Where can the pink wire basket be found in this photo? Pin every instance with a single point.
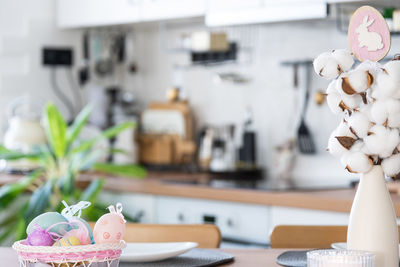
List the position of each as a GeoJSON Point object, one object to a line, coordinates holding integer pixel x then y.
{"type": "Point", "coordinates": [97, 255]}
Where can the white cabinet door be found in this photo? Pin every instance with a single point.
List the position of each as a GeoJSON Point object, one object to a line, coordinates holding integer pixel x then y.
{"type": "Point", "coordinates": [222, 12]}
{"type": "Point", "coordinates": [295, 216]}
{"type": "Point", "coordinates": [235, 220]}
{"type": "Point", "coordinates": [152, 10]}
{"type": "Point", "coordinates": [132, 204]}
{"type": "Point", "coordinates": [87, 13]}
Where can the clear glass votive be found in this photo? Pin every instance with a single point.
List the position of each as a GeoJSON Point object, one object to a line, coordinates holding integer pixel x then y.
{"type": "Point", "coordinates": [342, 258]}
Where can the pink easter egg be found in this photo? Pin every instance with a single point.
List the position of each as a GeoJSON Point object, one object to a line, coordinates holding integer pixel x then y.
{"type": "Point", "coordinates": [368, 34]}
{"type": "Point", "coordinates": [81, 234]}
{"type": "Point", "coordinates": [110, 228]}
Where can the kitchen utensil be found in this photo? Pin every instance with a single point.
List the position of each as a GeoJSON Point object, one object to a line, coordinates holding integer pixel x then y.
{"type": "Point", "coordinates": [84, 72]}
{"type": "Point", "coordinates": [24, 131]}
{"type": "Point", "coordinates": [148, 252]}
{"type": "Point", "coordinates": [304, 137]}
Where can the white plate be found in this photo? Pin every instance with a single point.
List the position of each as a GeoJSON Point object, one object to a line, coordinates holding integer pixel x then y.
{"type": "Point", "coordinates": [147, 252]}
{"type": "Point", "coordinates": [343, 245]}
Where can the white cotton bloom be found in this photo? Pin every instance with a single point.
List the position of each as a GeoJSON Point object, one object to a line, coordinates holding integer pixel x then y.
{"type": "Point", "coordinates": [388, 80]}
{"type": "Point", "coordinates": [382, 141]}
{"type": "Point", "coordinates": [353, 82]}
{"type": "Point", "coordinates": [344, 58]}
{"type": "Point", "coordinates": [334, 146]}
{"type": "Point", "coordinates": [359, 124]}
{"type": "Point", "coordinates": [337, 103]}
{"type": "Point", "coordinates": [366, 110]}
{"type": "Point", "coordinates": [357, 162]}
{"type": "Point", "coordinates": [386, 111]}
{"type": "Point", "coordinates": [325, 65]}
{"type": "Point", "coordinates": [391, 165]}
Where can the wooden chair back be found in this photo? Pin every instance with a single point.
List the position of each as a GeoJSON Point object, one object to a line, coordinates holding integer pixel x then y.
{"type": "Point", "coordinates": [206, 235]}
{"type": "Point", "coordinates": [308, 236]}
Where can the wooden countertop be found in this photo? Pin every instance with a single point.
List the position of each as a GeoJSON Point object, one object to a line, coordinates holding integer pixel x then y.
{"type": "Point", "coordinates": [327, 200]}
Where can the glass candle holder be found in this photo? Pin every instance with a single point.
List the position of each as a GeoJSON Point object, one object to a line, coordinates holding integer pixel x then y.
{"type": "Point", "coordinates": [342, 258]}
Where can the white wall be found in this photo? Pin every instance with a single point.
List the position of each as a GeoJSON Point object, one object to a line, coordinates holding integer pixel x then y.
{"type": "Point", "coordinates": [270, 94]}
{"type": "Point", "coordinates": [26, 26]}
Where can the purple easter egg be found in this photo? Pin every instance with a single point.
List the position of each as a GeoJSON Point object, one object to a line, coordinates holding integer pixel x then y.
{"type": "Point", "coordinates": [39, 237]}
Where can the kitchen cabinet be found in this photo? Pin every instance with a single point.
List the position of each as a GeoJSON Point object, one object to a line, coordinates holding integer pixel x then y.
{"type": "Point", "coordinates": [236, 221]}
{"type": "Point", "coordinates": [133, 204]}
{"type": "Point", "coordinates": [90, 13]}
{"type": "Point", "coordinates": [224, 13]}
{"type": "Point", "coordinates": [296, 216]}
{"type": "Point", "coordinates": [153, 10]}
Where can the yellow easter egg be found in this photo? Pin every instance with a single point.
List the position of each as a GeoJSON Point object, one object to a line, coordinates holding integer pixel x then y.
{"type": "Point", "coordinates": [68, 241]}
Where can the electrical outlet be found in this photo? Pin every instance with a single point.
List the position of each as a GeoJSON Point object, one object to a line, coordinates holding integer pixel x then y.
{"type": "Point", "coordinates": [57, 56]}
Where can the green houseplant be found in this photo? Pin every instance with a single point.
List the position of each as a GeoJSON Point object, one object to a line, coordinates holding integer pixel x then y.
{"type": "Point", "coordinates": [59, 162]}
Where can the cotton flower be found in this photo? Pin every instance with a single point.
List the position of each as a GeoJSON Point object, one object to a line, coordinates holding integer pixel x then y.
{"type": "Point", "coordinates": [386, 112]}
{"type": "Point", "coordinates": [382, 141]}
{"type": "Point", "coordinates": [341, 140]}
{"type": "Point", "coordinates": [344, 58]}
{"type": "Point", "coordinates": [356, 81]}
{"type": "Point", "coordinates": [391, 165]}
{"type": "Point", "coordinates": [359, 124]}
{"type": "Point", "coordinates": [357, 162]}
{"type": "Point", "coordinates": [340, 102]}
{"type": "Point", "coordinates": [389, 81]}
{"type": "Point", "coordinates": [325, 65]}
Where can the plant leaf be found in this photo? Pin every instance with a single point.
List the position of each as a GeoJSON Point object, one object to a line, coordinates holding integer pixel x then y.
{"type": "Point", "coordinates": [9, 192]}
{"type": "Point", "coordinates": [127, 170]}
{"type": "Point", "coordinates": [92, 191]}
{"type": "Point", "coordinates": [79, 122]}
{"type": "Point", "coordinates": [109, 133]}
{"type": "Point", "coordinates": [8, 154]}
{"type": "Point", "coordinates": [56, 130]}
{"type": "Point", "coordinates": [39, 200]}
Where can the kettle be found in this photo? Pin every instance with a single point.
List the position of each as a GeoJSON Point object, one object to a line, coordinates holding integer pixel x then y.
{"type": "Point", "coordinates": [24, 131]}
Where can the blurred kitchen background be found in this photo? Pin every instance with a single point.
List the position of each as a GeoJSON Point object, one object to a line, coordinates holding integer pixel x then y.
{"type": "Point", "coordinates": [217, 87]}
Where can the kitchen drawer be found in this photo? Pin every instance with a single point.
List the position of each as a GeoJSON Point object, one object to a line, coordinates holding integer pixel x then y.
{"type": "Point", "coordinates": [295, 216]}
{"type": "Point", "coordinates": [235, 220]}
{"type": "Point", "coordinates": [132, 204]}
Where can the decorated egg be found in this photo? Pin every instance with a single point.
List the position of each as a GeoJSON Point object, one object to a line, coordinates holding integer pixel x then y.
{"type": "Point", "coordinates": [57, 223]}
{"type": "Point", "coordinates": [110, 228]}
{"type": "Point", "coordinates": [81, 230]}
{"type": "Point", "coordinates": [67, 242]}
{"type": "Point", "coordinates": [39, 237]}
{"type": "Point", "coordinates": [79, 227]}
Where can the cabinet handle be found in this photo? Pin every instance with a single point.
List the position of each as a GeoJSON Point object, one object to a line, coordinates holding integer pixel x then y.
{"type": "Point", "coordinates": [230, 223]}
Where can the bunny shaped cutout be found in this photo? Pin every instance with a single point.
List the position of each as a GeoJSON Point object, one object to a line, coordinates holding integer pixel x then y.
{"type": "Point", "coordinates": [372, 40]}
{"type": "Point", "coordinates": [368, 34]}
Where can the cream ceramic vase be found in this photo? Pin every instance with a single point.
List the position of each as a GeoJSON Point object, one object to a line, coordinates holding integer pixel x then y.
{"type": "Point", "coordinates": [372, 225]}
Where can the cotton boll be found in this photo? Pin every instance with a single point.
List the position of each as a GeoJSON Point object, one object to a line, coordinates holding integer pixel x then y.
{"type": "Point", "coordinates": [359, 124]}
{"type": "Point", "coordinates": [387, 86]}
{"type": "Point", "coordinates": [366, 110]}
{"type": "Point", "coordinates": [356, 81]}
{"type": "Point", "coordinates": [344, 58]}
{"type": "Point", "coordinates": [352, 101]}
{"type": "Point", "coordinates": [326, 66]}
{"type": "Point", "coordinates": [382, 141]}
{"type": "Point", "coordinates": [358, 162]}
{"type": "Point", "coordinates": [392, 68]}
{"type": "Point", "coordinates": [344, 130]}
{"type": "Point", "coordinates": [387, 112]}
{"type": "Point", "coordinates": [334, 147]}
{"type": "Point", "coordinates": [333, 100]}
{"type": "Point", "coordinates": [379, 112]}
{"type": "Point", "coordinates": [391, 165]}
{"type": "Point", "coordinates": [393, 110]}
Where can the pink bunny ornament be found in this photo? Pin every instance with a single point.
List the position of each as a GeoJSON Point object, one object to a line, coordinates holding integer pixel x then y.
{"type": "Point", "coordinates": [110, 228]}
